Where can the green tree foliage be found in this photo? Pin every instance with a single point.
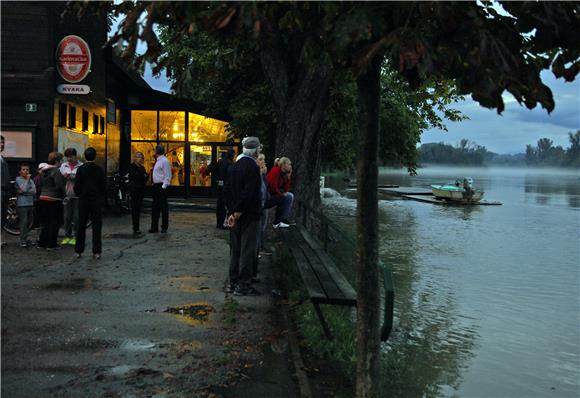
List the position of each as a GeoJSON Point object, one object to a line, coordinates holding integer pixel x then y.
{"type": "Point", "coordinates": [546, 154]}
{"type": "Point", "coordinates": [466, 153]}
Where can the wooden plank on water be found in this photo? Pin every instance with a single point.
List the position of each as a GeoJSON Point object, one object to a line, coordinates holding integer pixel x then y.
{"type": "Point", "coordinates": [406, 191]}
{"type": "Point", "coordinates": [443, 202]}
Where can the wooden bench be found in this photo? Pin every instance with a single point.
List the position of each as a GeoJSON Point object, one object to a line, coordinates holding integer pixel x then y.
{"type": "Point", "coordinates": [324, 281]}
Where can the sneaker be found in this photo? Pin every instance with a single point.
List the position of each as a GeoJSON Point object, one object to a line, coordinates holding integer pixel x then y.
{"type": "Point", "coordinates": [286, 221]}
{"type": "Point", "coordinates": [153, 231]}
{"type": "Point", "coordinates": [72, 241]}
{"type": "Point", "coordinates": [97, 256]}
{"type": "Point", "coordinates": [23, 244]}
{"type": "Point", "coordinates": [51, 248]}
{"type": "Point", "coordinates": [230, 288]}
{"type": "Point", "coordinates": [78, 255]}
{"type": "Point", "coordinates": [246, 291]}
{"type": "Point", "coordinates": [65, 241]}
{"type": "Point", "coordinates": [280, 225]}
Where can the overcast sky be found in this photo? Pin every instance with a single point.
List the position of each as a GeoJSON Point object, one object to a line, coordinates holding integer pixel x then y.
{"type": "Point", "coordinates": [506, 133]}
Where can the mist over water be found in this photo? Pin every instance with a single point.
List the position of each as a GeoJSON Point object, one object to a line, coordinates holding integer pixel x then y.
{"type": "Point", "coordinates": [487, 297]}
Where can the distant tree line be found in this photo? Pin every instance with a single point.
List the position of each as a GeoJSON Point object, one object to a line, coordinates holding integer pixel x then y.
{"type": "Point", "coordinates": [546, 154]}
{"type": "Point", "coordinates": [469, 153]}
{"type": "Point", "coordinates": [466, 153]}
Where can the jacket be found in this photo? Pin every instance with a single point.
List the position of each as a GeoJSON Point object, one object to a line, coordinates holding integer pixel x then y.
{"type": "Point", "coordinates": [70, 173]}
{"type": "Point", "coordinates": [243, 189]}
{"type": "Point", "coordinates": [278, 182]}
{"type": "Point", "coordinates": [90, 184]}
{"type": "Point", "coordinates": [26, 191]}
{"type": "Point", "coordinates": [53, 184]}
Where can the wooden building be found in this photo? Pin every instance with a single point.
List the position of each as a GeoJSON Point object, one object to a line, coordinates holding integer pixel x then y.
{"type": "Point", "coordinates": [61, 89]}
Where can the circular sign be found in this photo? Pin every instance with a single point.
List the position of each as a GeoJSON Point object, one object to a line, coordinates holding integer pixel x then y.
{"type": "Point", "coordinates": [73, 59]}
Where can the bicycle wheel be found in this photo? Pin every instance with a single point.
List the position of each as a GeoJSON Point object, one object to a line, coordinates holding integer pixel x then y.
{"type": "Point", "coordinates": [12, 222]}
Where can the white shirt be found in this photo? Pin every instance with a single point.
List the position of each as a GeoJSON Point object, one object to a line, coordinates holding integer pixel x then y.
{"type": "Point", "coordinates": [162, 171]}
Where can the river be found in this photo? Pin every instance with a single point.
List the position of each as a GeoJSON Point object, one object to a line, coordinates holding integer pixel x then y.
{"type": "Point", "coordinates": [487, 297]}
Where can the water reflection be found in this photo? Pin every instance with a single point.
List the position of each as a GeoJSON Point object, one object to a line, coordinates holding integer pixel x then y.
{"type": "Point", "coordinates": [431, 344]}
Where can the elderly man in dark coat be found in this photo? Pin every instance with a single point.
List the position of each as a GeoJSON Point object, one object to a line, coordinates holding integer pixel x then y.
{"type": "Point", "coordinates": [243, 200]}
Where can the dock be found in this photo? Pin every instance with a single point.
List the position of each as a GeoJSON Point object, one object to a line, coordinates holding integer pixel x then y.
{"type": "Point", "coordinates": [400, 191]}
{"type": "Point", "coordinates": [435, 201]}
{"type": "Point", "coordinates": [426, 195]}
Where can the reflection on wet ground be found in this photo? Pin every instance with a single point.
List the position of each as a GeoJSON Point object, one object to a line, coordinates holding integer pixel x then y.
{"type": "Point", "coordinates": [72, 284]}
{"type": "Point", "coordinates": [195, 314]}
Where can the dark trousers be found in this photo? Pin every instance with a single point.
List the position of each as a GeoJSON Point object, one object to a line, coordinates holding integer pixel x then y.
{"type": "Point", "coordinates": [4, 205]}
{"type": "Point", "coordinates": [136, 203]}
{"type": "Point", "coordinates": [160, 205]}
{"type": "Point", "coordinates": [220, 210]}
{"type": "Point", "coordinates": [89, 210]}
{"type": "Point", "coordinates": [50, 215]}
{"type": "Point", "coordinates": [243, 243]}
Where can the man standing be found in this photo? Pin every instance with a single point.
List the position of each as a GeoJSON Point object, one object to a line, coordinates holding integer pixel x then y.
{"type": "Point", "coordinates": [243, 198]}
{"type": "Point", "coordinates": [220, 171]}
{"type": "Point", "coordinates": [71, 202]}
{"type": "Point", "coordinates": [161, 180]}
{"type": "Point", "coordinates": [90, 187]}
{"type": "Point", "coordinates": [5, 180]}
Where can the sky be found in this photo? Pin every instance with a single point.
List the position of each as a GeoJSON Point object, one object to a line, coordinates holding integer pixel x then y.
{"type": "Point", "coordinates": [508, 133]}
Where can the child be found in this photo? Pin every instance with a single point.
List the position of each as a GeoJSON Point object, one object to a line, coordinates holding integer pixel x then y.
{"type": "Point", "coordinates": [26, 191]}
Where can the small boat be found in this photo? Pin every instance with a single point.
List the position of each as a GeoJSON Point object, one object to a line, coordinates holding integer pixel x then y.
{"type": "Point", "coordinates": [459, 191]}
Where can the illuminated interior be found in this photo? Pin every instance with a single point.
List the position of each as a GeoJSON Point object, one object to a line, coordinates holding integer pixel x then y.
{"type": "Point", "coordinates": [204, 133]}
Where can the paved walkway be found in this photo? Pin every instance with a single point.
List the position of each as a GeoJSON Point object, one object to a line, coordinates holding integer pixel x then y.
{"type": "Point", "coordinates": [149, 319]}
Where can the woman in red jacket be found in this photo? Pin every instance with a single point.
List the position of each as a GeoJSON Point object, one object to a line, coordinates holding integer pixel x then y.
{"type": "Point", "coordinates": [279, 180]}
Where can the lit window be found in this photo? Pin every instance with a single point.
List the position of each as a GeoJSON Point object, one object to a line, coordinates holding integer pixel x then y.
{"type": "Point", "coordinates": [144, 125]}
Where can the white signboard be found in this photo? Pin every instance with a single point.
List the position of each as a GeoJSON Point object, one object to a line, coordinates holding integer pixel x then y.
{"type": "Point", "coordinates": [18, 144]}
{"type": "Point", "coordinates": [73, 89]}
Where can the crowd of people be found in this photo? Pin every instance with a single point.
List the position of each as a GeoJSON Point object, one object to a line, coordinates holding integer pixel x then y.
{"type": "Point", "coordinates": [70, 192]}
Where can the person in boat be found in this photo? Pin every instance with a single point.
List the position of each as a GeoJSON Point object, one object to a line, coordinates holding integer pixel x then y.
{"type": "Point", "coordinates": [467, 189]}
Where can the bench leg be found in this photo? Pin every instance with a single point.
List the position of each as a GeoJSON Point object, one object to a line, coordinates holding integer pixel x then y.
{"type": "Point", "coordinates": [327, 332]}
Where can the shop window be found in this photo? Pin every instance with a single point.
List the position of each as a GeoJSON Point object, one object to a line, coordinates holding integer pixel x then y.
{"type": "Point", "coordinates": [102, 124]}
{"type": "Point", "coordinates": [144, 125]}
{"type": "Point", "coordinates": [200, 159]}
{"type": "Point", "coordinates": [72, 117]}
{"type": "Point", "coordinates": [85, 120]}
{"type": "Point", "coordinates": [62, 107]}
{"type": "Point", "coordinates": [95, 124]}
{"type": "Point", "coordinates": [206, 129]}
{"type": "Point", "coordinates": [172, 126]}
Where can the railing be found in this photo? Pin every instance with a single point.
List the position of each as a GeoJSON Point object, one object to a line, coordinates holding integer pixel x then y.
{"type": "Point", "coordinates": [342, 248]}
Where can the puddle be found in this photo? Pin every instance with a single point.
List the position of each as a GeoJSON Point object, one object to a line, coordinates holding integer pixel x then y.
{"type": "Point", "coordinates": [72, 284]}
{"type": "Point", "coordinates": [196, 314]}
{"type": "Point", "coordinates": [190, 284]}
{"type": "Point", "coordinates": [137, 345]}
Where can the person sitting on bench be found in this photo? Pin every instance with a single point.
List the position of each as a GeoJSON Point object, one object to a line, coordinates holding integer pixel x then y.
{"type": "Point", "coordinates": [279, 189]}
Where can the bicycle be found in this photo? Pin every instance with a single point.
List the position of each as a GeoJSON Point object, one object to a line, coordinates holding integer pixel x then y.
{"type": "Point", "coordinates": [118, 193]}
{"type": "Point", "coordinates": [12, 224]}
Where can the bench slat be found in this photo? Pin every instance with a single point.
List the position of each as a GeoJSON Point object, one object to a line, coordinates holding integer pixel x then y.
{"type": "Point", "coordinates": [309, 278]}
{"type": "Point", "coordinates": [327, 274]}
{"type": "Point", "coordinates": [348, 292]}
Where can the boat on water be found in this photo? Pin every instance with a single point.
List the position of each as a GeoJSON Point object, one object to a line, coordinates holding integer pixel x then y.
{"type": "Point", "coordinates": [461, 190]}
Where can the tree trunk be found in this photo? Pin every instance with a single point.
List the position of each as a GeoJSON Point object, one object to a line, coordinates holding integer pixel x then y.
{"type": "Point", "coordinates": [367, 275]}
{"type": "Point", "coordinates": [300, 107]}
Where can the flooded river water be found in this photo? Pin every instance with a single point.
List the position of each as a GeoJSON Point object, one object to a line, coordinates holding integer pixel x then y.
{"type": "Point", "coordinates": [487, 297]}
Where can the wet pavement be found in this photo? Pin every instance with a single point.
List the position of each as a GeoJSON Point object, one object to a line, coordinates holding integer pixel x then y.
{"type": "Point", "coordinates": [149, 319]}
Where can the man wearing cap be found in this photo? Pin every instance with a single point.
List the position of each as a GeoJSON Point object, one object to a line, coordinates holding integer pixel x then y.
{"type": "Point", "coordinates": [243, 199]}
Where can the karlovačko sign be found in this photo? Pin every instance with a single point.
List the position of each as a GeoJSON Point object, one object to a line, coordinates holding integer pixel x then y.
{"type": "Point", "coordinates": [73, 59]}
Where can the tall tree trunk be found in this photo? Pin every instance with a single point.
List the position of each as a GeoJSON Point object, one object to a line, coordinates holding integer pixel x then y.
{"type": "Point", "coordinates": [367, 275]}
{"type": "Point", "coordinates": [300, 108]}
